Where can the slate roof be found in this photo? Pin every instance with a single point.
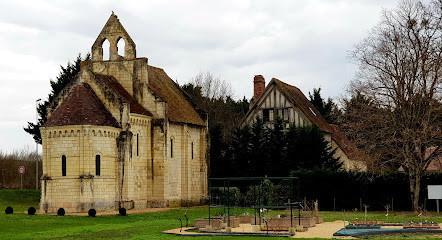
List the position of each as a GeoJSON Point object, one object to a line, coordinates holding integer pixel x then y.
{"type": "Point", "coordinates": [111, 82]}
{"type": "Point", "coordinates": [179, 107]}
{"type": "Point", "coordinates": [81, 107]}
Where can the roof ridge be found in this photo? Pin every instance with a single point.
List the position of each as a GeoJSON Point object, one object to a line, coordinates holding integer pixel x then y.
{"type": "Point", "coordinates": [287, 84]}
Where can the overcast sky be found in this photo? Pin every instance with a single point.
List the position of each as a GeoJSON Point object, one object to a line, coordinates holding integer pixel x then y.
{"type": "Point", "coordinates": [302, 42]}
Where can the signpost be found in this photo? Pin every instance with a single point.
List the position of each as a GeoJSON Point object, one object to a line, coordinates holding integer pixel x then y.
{"type": "Point", "coordinates": [21, 171]}
{"type": "Point", "coordinates": [435, 192]}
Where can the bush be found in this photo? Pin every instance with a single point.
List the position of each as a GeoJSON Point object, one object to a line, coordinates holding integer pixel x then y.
{"type": "Point", "coordinates": [92, 212]}
{"type": "Point", "coordinates": [61, 212]}
{"type": "Point", "coordinates": [349, 190]}
{"type": "Point", "coordinates": [122, 211]}
{"type": "Point", "coordinates": [220, 194]}
{"type": "Point", "coordinates": [9, 210]}
{"type": "Point", "coordinates": [31, 211]}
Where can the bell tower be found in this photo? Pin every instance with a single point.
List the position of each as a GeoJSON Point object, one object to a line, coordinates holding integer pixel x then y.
{"type": "Point", "coordinates": [128, 70]}
{"type": "Point", "coordinates": [113, 31]}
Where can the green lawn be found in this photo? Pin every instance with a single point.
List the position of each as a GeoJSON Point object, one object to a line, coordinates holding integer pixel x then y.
{"type": "Point", "coordinates": [135, 226]}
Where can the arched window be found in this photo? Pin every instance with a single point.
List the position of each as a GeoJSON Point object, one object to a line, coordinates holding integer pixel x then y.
{"type": "Point", "coordinates": [121, 44]}
{"type": "Point", "coordinates": [191, 149]}
{"type": "Point", "coordinates": [63, 165]}
{"type": "Point", "coordinates": [106, 50]}
{"type": "Point", "coordinates": [137, 145]}
{"type": "Point", "coordinates": [97, 165]}
{"type": "Point", "coordinates": [171, 147]}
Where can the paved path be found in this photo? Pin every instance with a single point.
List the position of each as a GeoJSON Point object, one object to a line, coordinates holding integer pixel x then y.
{"type": "Point", "coordinates": [323, 230]}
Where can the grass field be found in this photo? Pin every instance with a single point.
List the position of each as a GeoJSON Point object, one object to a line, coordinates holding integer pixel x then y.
{"type": "Point", "coordinates": [139, 226]}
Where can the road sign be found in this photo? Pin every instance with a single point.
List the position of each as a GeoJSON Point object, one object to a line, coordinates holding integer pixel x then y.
{"type": "Point", "coordinates": [435, 192]}
{"type": "Point", "coordinates": [21, 170]}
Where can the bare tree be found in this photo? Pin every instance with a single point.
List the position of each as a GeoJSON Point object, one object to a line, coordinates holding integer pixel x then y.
{"type": "Point", "coordinates": [400, 72]}
{"type": "Point", "coordinates": [212, 87]}
{"type": "Point", "coordinates": [215, 96]}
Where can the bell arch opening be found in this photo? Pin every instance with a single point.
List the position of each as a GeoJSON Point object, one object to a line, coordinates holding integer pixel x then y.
{"type": "Point", "coordinates": [105, 48]}
{"type": "Point", "coordinates": [121, 47]}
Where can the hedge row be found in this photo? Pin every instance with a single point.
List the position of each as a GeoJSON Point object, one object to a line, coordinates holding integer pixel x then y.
{"type": "Point", "coordinates": [349, 191]}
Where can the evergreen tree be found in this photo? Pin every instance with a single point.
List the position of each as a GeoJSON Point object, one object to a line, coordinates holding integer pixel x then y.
{"type": "Point", "coordinates": [275, 145]}
{"type": "Point", "coordinates": [258, 153]}
{"type": "Point", "coordinates": [310, 150]}
{"type": "Point", "coordinates": [291, 152]}
{"type": "Point", "coordinates": [66, 76]}
{"type": "Point", "coordinates": [240, 148]}
{"type": "Point", "coordinates": [218, 166]}
{"type": "Point", "coordinates": [328, 109]}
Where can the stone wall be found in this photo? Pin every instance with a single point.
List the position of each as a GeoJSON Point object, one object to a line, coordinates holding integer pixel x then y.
{"type": "Point", "coordinates": [81, 187]}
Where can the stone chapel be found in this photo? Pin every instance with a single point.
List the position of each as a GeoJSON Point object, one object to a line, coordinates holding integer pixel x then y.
{"type": "Point", "coordinates": [123, 134]}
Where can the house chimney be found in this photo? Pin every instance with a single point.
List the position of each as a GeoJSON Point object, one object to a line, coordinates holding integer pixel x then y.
{"type": "Point", "coordinates": [259, 84]}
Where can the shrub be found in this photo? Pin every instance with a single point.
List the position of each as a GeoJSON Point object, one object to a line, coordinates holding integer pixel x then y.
{"type": "Point", "coordinates": [9, 210]}
{"type": "Point", "coordinates": [92, 212]}
{"type": "Point", "coordinates": [122, 211]}
{"type": "Point", "coordinates": [61, 212]}
{"type": "Point", "coordinates": [31, 211]}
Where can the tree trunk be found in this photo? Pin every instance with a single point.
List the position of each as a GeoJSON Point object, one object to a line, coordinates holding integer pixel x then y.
{"type": "Point", "coordinates": [415, 187]}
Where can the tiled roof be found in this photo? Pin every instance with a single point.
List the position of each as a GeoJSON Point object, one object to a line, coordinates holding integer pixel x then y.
{"type": "Point", "coordinates": [110, 81]}
{"type": "Point", "coordinates": [436, 164]}
{"type": "Point", "coordinates": [81, 107]}
{"type": "Point", "coordinates": [297, 97]}
{"type": "Point", "coordinates": [179, 108]}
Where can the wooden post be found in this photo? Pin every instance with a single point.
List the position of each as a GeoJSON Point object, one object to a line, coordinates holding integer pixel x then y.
{"type": "Point", "coordinates": [437, 205]}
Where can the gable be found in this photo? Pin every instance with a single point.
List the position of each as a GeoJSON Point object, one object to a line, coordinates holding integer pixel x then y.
{"type": "Point", "coordinates": [274, 102]}
{"type": "Point", "coordinates": [113, 31]}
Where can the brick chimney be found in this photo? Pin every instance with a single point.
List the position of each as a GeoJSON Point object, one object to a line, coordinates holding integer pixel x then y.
{"type": "Point", "coordinates": [259, 84]}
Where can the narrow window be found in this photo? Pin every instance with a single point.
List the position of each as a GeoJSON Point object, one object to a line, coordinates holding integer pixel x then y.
{"type": "Point", "coordinates": [97, 165]}
{"type": "Point", "coordinates": [286, 114]}
{"type": "Point", "coordinates": [137, 144]}
{"type": "Point", "coordinates": [191, 149]}
{"type": "Point", "coordinates": [271, 115]}
{"type": "Point", "coordinates": [63, 165]}
{"type": "Point", "coordinates": [265, 115]}
{"type": "Point", "coordinates": [171, 147]}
